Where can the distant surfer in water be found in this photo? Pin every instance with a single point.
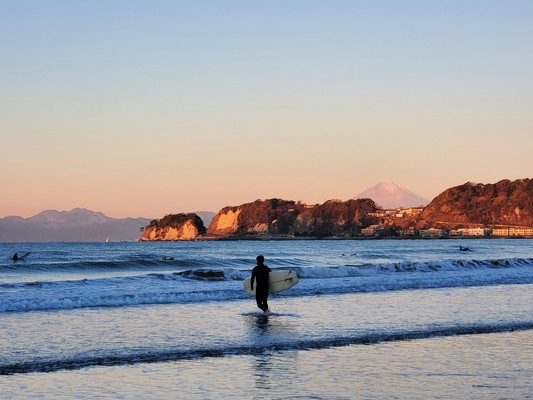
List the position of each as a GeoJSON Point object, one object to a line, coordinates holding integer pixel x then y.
{"type": "Point", "coordinates": [16, 256]}
{"type": "Point", "coordinates": [260, 276]}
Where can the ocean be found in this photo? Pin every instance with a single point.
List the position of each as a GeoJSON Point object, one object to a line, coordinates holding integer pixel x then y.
{"type": "Point", "coordinates": [388, 319]}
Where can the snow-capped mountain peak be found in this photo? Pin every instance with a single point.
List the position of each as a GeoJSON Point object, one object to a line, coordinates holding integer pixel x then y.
{"type": "Point", "coordinates": [389, 196]}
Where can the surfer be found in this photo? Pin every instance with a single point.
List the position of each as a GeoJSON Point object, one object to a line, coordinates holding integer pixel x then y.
{"type": "Point", "coordinates": [16, 256]}
{"type": "Point", "coordinates": [260, 276]}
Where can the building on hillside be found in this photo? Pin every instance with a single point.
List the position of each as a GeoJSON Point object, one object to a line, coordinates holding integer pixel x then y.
{"type": "Point", "coordinates": [413, 211]}
{"type": "Point", "coordinates": [370, 231]}
{"type": "Point", "coordinates": [521, 231]}
{"type": "Point", "coordinates": [432, 232]}
{"type": "Point", "coordinates": [500, 232]}
{"type": "Point", "coordinates": [475, 231]}
{"type": "Point", "coordinates": [516, 231]}
{"type": "Point", "coordinates": [379, 214]}
{"type": "Point", "coordinates": [411, 231]}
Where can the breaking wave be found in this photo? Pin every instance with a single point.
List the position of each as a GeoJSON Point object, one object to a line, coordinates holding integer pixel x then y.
{"type": "Point", "coordinates": [202, 284]}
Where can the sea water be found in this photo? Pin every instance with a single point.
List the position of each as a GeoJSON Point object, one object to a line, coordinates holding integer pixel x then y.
{"type": "Point", "coordinates": [368, 319]}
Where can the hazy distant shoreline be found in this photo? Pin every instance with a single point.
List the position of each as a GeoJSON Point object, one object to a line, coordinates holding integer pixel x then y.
{"type": "Point", "coordinates": [281, 238]}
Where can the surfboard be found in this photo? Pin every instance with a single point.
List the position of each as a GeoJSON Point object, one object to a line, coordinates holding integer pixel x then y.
{"type": "Point", "coordinates": [278, 281]}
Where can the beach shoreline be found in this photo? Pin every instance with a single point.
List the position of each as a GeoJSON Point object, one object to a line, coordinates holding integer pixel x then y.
{"type": "Point", "coordinates": [250, 237]}
{"type": "Point", "coordinates": [253, 356]}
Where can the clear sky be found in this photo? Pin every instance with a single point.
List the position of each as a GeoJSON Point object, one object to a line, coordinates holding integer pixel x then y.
{"type": "Point", "coordinates": [144, 108]}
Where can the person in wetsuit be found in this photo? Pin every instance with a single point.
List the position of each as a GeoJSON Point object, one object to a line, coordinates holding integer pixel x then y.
{"type": "Point", "coordinates": [260, 277]}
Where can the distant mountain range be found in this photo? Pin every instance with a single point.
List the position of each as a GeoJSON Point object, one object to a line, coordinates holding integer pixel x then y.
{"type": "Point", "coordinates": [77, 225]}
{"type": "Point", "coordinates": [388, 195]}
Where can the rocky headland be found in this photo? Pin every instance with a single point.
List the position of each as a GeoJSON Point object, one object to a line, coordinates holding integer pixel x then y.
{"type": "Point", "coordinates": [175, 227]}
{"type": "Point", "coordinates": [278, 217]}
{"type": "Point", "coordinates": [506, 203]}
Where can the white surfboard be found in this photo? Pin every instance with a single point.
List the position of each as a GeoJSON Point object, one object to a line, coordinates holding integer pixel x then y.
{"type": "Point", "coordinates": [278, 281]}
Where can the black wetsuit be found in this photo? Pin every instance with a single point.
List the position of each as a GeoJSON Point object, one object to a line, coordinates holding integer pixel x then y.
{"type": "Point", "coordinates": [260, 276]}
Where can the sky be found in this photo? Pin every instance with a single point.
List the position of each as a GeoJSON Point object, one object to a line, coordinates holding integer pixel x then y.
{"type": "Point", "coordinates": [145, 108]}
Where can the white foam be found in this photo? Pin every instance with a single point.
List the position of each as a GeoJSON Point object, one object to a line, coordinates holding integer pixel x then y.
{"type": "Point", "coordinates": [158, 288]}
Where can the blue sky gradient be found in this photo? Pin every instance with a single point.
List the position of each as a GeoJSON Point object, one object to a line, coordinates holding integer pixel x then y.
{"type": "Point", "coordinates": [138, 108]}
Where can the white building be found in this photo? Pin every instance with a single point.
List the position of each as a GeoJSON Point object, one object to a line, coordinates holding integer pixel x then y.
{"type": "Point", "coordinates": [370, 231]}
{"type": "Point", "coordinates": [432, 232]}
{"type": "Point", "coordinates": [474, 231]}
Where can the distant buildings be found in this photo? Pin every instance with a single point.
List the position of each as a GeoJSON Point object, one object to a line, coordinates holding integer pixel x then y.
{"type": "Point", "coordinates": [514, 231]}
{"type": "Point", "coordinates": [397, 213]}
{"type": "Point", "coordinates": [517, 231]}
{"type": "Point", "coordinates": [432, 232]}
{"type": "Point", "coordinates": [387, 222]}
{"type": "Point", "coordinates": [411, 231]}
{"type": "Point", "coordinates": [372, 230]}
{"type": "Point", "coordinates": [378, 230]}
{"type": "Point", "coordinates": [471, 232]}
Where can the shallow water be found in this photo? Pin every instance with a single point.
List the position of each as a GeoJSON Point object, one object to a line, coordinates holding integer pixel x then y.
{"type": "Point", "coordinates": [486, 366]}
{"type": "Point", "coordinates": [415, 320]}
{"type": "Point", "coordinates": [75, 338]}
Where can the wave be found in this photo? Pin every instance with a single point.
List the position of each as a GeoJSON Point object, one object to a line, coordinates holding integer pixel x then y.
{"type": "Point", "coordinates": [409, 266]}
{"type": "Point", "coordinates": [155, 356]}
{"type": "Point", "coordinates": [80, 266]}
{"type": "Point", "coordinates": [140, 263]}
{"type": "Point", "coordinates": [232, 269]}
{"type": "Point", "coordinates": [217, 284]}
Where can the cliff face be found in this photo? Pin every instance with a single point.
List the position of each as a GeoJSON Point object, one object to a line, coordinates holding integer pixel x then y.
{"type": "Point", "coordinates": [273, 216]}
{"type": "Point", "coordinates": [283, 217]}
{"type": "Point", "coordinates": [503, 203]}
{"type": "Point", "coordinates": [334, 218]}
{"type": "Point", "coordinates": [175, 227]}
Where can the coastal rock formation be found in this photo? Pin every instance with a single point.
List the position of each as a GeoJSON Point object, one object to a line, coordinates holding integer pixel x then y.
{"type": "Point", "coordinates": [273, 216]}
{"type": "Point", "coordinates": [175, 227]}
{"type": "Point", "coordinates": [504, 203]}
{"type": "Point", "coordinates": [334, 218]}
{"type": "Point", "coordinates": [285, 217]}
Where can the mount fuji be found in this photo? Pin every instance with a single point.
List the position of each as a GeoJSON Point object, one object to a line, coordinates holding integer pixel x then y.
{"type": "Point", "coordinates": [389, 196]}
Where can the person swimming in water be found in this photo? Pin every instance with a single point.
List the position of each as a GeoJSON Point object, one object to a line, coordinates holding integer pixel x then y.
{"type": "Point", "coordinates": [16, 256]}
